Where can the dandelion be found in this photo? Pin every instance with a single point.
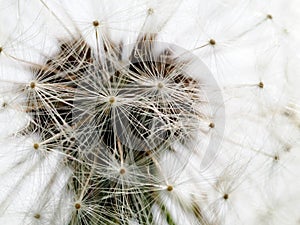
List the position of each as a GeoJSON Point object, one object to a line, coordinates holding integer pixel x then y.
{"type": "Point", "coordinates": [147, 112]}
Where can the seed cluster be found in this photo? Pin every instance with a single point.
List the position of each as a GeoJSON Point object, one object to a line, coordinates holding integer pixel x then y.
{"type": "Point", "coordinates": [111, 118]}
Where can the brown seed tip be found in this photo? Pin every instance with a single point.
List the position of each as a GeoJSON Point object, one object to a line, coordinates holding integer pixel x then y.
{"type": "Point", "coordinates": [37, 216]}
{"type": "Point", "coordinates": [211, 125]}
{"type": "Point", "coordinates": [1, 49]}
{"type": "Point", "coordinates": [212, 42]}
{"type": "Point", "coordinates": [150, 11]}
{"type": "Point", "coordinates": [32, 85]}
{"type": "Point", "coordinates": [122, 171]}
{"type": "Point", "coordinates": [112, 100]}
{"type": "Point", "coordinates": [160, 85]}
{"type": "Point", "coordinates": [261, 85]}
{"type": "Point", "coordinates": [77, 206]}
{"type": "Point", "coordinates": [226, 196]}
{"type": "Point", "coordinates": [170, 188]}
{"type": "Point", "coordinates": [269, 16]}
{"type": "Point", "coordinates": [96, 23]}
{"type": "Point", "coordinates": [36, 146]}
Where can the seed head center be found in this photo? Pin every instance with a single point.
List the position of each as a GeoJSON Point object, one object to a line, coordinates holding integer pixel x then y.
{"type": "Point", "coordinates": [160, 85]}
{"type": "Point", "coordinates": [37, 216]}
{"type": "Point", "coordinates": [226, 196]}
{"type": "Point", "coordinates": [212, 42]}
{"type": "Point", "coordinates": [36, 146]}
{"type": "Point", "coordinates": [122, 171]}
{"type": "Point", "coordinates": [96, 23]}
{"type": "Point", "coordinates": [112, 100]}
{"type": "Point", "coordinates": [170, 188]}
{"type": "Point", "coordinates": [150, 11]}
{"type": "Point", "coordinates": [77, 206]}
{"type": "Point", "coordinates": [261, 85]}
{"type": "Point", "coordinates": [32, 85]}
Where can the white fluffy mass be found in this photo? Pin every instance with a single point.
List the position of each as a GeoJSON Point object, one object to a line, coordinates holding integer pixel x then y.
{"type": "Point", "coordinates": [240, 166]}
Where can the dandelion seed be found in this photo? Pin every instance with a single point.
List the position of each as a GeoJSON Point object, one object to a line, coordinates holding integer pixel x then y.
{"type": "Point", "coordinates": [122, 171]}
{"type": "Point", "coordinates": [212, 42]}
{"type": "Point", "coordinates": [160, 85]}
{"type": "Point", "coordinates": [36, 146]}
{"type": "Point", "coordinates": [96, 23]}
{"type": "Point", "coordinates": [261, 85]}
{"type": "Point", "coordinates": [150, 11]}
{"type": "Point", "coordinates": [170, 188]}
{"type": "Point", "coordinates": [226, 196]}
{"type": "Point", "coordinates": [269, 16]}
{"type": "Point", "coordinates": [212, 125]}
{"type": "Point", "coordinates": [112, 100]}
{"type": "Point", "coordinates": [77, 206]}
{"type": "Point", "coordinates": [37, 216]}
{"type": "Point", "coordinates": [4, 104]}
{"type": "Point", "coordinates": [32, 85]}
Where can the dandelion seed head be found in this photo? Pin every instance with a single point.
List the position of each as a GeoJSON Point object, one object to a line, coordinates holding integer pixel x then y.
{"type": "Point", "coordinates": [130, 117]}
